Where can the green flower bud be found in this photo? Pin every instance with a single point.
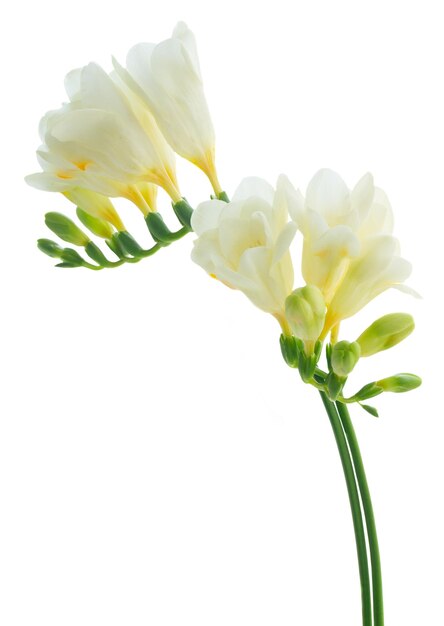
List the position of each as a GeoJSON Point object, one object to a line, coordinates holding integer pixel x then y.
{"type": "Point", "coordinates": [386, 332]}
{"type": "Point", "coordinates": [72, 258]}
{"type": "Point", "coordinates": [66, 229]}
{"type": "Point", "coordinates": [305, 311]}
{"type": "Point", "coordinates": [344, 356]}
{"type": "Point", "coordinates": [49, 247]}
{"type": "Point", "coordinates": [400, 383]}
{"type": "Point", "coordinates": [98, 226]}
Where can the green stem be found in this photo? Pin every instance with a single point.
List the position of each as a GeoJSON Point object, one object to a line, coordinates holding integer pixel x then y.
{"type": "Point", "coordinates": [355, 505]}
{"type": "Point", "coordinates": [378, 605]}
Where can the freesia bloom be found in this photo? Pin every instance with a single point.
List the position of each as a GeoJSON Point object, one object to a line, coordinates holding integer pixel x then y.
{"type": "Point", "coordinates": [245, 243]}
{"type": "Point", "coordinates": [167, 77]}
{"type": "Point", "coordinates": [349, 251]}
{"type": "Point", "coordinates": [99, 141]}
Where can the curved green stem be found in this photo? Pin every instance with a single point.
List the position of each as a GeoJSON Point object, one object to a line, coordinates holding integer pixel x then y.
{"type": "Point", "coordinates": [355, 505]}
{"type": "Point", "coordinates": [378, 605]}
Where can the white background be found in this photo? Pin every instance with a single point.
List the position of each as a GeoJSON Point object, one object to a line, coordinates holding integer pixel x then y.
{"type": "Point", "coordinates": [159, 464]}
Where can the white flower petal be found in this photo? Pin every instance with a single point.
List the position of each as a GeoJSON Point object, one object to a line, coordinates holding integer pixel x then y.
{"type": "Point", "coordinates": [288, 201]}
{"type": "Point", "coordinates": [254, 187]}
{"type": "Point", "coordinates": [73, 83]}
{"type": "Point", "coordinates": [328, 195]}
{"type": "Point", "coordinates": [206, 216]}
{"type": "Point", "coordinates": [379, 218]}
{"type": "Point", "coordinates": [186, 37]}
{"type": "Point", "coordinates": [338, 241]}
{"type": "Point", "coordinates": [313, 226]}
{"type": "Point", "coordinates": [408, 290]}
{"type": "Point", "coordinates": [362, 195]}
{"type": "Point", "coordinates": [47, 182]}
{"type": "Point", "coordinates": [283, 242]}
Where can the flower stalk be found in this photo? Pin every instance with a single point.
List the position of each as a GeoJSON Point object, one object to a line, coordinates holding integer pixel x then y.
{"type": "Point", "coordinates": [378, 602]}
{"type": "Point", "coordinates": [355, 504]}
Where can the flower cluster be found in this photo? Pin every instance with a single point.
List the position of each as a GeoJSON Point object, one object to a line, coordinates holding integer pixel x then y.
{"type": "Point", "coordinates": [116, 137]}
{"type": "Point", "coordinates": [349, 256]}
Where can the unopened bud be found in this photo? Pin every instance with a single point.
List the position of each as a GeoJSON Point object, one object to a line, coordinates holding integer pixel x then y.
{"type": "Point", "coordinates": [95, 204]}
{"type": "Point", "coordinates": [71, 258]}
{"type": "Point", "coordinates": [96, 225]}
{"type": "Point", "coordinates": [386, 332]}
{"type": "Point", "coordinates": [344, 356]}
{"type": "Point", "coordinates": [400, 383]}
{"type": "Point", "coordinates": [65, 228]}
{"type": "Point", "coordinates": [49, 247]}
{"type": "Point", "coordinates": [305, 311]}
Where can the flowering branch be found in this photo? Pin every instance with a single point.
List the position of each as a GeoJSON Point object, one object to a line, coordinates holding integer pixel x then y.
{"type": "Point", "coordinates": [118, 136]}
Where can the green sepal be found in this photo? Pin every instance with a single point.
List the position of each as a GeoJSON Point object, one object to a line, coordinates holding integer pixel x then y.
{"type": "Point", "coordinates": [328, 349]}
{"type": "Point", "coordinates": [289, 349]}
{"type": "Point", "coordinates": [115, 246]}
{"type": "Point", "coordinates": [129, 244]}
{"type": "Point", "coordinates": [307, 362]}
{"type": "Point", "coordinates": [158, 229]}
{"type": "Point", "coordinates": [368, 391]}
{"type": "Point", "coordinates": [370, 409]}
{"type": "Point", "coordinates": [335, 385]}
{"type": "Point", "coordinates": [49, 247]}
{"type": "Point", "coordinates": [307, 366]}
{"type": "Point", "coordinates": [318, 350]}
{"type": "Point", "coordinates": [65, 228]}
{"type": "Point", "coordinates": [183, 212]}
{"type": "Point", "coordinates": [95, 253]}
{"type": "Point", "coordinates": [223, 196]}
{"type": "Point", "coordinates": [96, 225]}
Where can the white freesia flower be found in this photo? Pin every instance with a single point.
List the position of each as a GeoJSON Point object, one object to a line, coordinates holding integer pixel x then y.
{"type": "Point", "coordinates": [349, 251]}
{"type": "Point", "coordinates": [167, 77]}
{"type": "Point", "coordinates": [245, 243]}
{"type": "Point", "coordinates": [101, 141]}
